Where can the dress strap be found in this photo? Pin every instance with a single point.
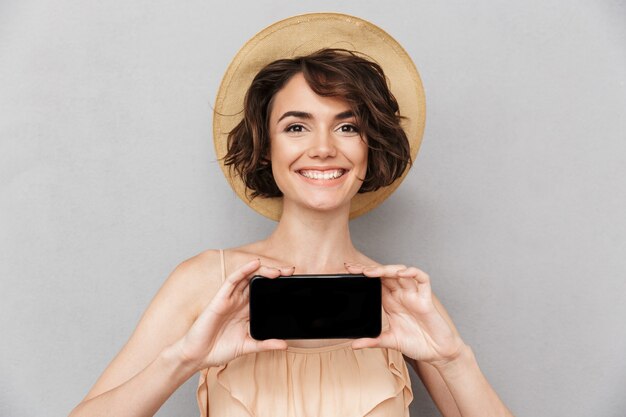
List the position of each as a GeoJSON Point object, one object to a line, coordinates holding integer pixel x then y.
{"type": "Point", "coordinates": [223, 265]}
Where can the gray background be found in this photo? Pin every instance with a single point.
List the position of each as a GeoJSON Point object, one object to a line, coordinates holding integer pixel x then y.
{"type": "Point", "coordinates": [514, 207]}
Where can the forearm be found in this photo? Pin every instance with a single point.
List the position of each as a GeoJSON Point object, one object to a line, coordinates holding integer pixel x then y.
{"type": "Point", "coordinates": [472, 393]}
{"type": "Point", "coordinates": [143, 394]}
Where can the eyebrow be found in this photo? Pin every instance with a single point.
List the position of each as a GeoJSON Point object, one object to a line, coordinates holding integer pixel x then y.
{"type": "Point", "coordinates": [304, 115]}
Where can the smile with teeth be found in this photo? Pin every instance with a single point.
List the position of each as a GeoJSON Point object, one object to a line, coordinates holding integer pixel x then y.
{"type": "Point", "coordinates": [330, 174]}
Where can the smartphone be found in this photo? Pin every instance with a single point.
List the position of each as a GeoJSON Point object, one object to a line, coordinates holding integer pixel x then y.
{"type": "Point", "coordinates": [342, 306]}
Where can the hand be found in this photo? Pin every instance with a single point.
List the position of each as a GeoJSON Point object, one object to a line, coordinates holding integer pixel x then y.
{"type": "Point", "coordinates": [221, 331]}
{"type": "Point", "coordinates": [416, 327]}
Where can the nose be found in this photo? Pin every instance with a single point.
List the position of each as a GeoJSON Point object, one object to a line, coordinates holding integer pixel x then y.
{"type": "Point", "coordinates": [322, 146]}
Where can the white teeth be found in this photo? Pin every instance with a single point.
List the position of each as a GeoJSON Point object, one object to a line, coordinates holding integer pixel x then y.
{"type": "Point", "coordinates": [323, 175]}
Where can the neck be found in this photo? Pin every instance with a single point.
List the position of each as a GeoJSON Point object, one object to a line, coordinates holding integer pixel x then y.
{"type": "Point", "coordinates": [314, 241]}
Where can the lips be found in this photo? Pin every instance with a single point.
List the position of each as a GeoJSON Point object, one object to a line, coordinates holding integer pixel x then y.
{"type": "Point", "coordinates": [318, 174]}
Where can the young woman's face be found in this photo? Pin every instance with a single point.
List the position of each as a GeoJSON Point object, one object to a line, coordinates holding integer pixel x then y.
{"type": "Point", "coordinates": [318, 156]}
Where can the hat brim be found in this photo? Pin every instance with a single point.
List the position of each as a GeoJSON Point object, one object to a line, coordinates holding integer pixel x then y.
{"type": "Point", "coordinates": [302, 35]}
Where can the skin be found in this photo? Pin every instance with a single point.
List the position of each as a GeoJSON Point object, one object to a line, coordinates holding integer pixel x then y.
{"type": "Point", "coordinates": [181, 332]}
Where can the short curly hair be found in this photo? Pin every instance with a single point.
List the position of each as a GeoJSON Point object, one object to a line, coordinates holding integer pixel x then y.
{"type": "Point", "coordinates": [329, 73]}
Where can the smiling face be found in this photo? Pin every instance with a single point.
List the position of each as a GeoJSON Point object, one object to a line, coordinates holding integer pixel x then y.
{"type": "Point", "coordinates": [319, 159]}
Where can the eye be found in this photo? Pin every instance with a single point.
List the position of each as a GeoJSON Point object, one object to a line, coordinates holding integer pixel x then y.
{"type": "Point", "coordinates": [348, 128]}
{"type": "Point", "coordinates": [295, 128]}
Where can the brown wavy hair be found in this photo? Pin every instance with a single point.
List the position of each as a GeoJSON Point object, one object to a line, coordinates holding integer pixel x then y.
{"type": "Point", "coordinates": [329, 73]}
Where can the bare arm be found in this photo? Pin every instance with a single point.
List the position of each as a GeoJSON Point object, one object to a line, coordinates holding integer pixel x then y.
{"type": "Point", "coordinates": [467, 391]}
{"type": "Point", "coordinates": [144, 393]}
{"type": "Point", "coordinates": [147, 371]}
{"type": "Point", "coordinates": [421, 329]}
{"type": "Point", "coordinates": [436, 387]}
{"type": "Point", "coordinates": [432, 380]}
{"type": "Point", "coordinates": [173, 341]}
{"type": "Point", "coordinates": [472, 393]}
{"type": "Point", "coordinates": [459, 388]}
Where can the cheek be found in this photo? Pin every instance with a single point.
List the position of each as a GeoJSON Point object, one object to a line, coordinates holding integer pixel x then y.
{"type": "Point", "coordinates": [281, 156]}
{"type": "Point", "coordinates": [281, 159]}
{"type": "Point", "coordinates": [360, 155]}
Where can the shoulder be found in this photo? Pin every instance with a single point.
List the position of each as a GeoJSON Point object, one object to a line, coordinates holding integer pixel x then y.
{"type": "Point", "coordinates": [238, 256]}
{"type": "Point", "coordinates": [174, 308]}
{"type": "Point", "coordinates": [194, 281]}
{"type": "Point", "coordinates": [206, 262]}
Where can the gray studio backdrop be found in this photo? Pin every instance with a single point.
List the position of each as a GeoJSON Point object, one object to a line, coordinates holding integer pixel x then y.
{"type": "Point", "coordinates": [515, 205]}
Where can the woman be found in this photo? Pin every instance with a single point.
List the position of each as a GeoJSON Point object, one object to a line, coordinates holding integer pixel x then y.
{"type": "Point", "coordinates": [316, 131]}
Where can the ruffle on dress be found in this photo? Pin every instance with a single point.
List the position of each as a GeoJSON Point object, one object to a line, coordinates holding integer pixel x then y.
{"type": "Point", "coordinates": [327, 381]}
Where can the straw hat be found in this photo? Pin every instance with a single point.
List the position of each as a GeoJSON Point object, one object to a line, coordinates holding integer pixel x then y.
{"type": "Point", "coordinates": [302, 35]}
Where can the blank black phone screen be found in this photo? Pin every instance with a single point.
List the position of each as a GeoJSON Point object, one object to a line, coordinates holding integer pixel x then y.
{"type": "Point", "coordinates": [315, 307]}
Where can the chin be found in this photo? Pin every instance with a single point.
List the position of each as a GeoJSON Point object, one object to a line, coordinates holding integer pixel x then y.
{"type": "Point", "coordinates": [323, 200]}
{"type": "Point", "coordinates": [327, 206]}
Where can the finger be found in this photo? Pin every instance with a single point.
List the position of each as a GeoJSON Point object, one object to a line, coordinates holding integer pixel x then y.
{"type": "Point", "coordinates": [242, 289]}
{"type": "Point", "coordinates": [272, 344]}
{"type": "Point", "coordinates": [366, 342]}
{"type": "Point", "coordinates": [382, 271]}
{"type": "Point", "coordinates": [421, 279]}
{"type": "Point", "coordinates": [268, 271]}
{"type": "Point", "coordinates": [240, 274]}
{"type": "Point", "coordinates": [406, 284]}
{"type": "Point", "coordinates": [408, 272]}
{"type": "Point", "coordinates": [254, 346]}
{"type": "Point", "coordinates": [423, 287]}
{"type": "Point", "coordinates": [275, 271]}
{"type": "Point", "coordinates": [391, 284]}
{"type": "Point", "coordinates": [407, 280]}
{"type": "Point", "coordinates": [414, 272]}
{"type": "Point", "coordinates": [385, 270]}
{"type": "Point", "coordinates": [264, 271]}
{"type": "Point", "coordinates": [286, 271]}
{"type": "Point", "coordinates": [385, 340]}
{"type": "Point", "coordinates": [241, 286]}
{"type": "Point", "coordinates": [396, 276]}
{"type": "Point", "coordinates": [372, 271]}
{"type": "Point", "coordinates": [390, 271]}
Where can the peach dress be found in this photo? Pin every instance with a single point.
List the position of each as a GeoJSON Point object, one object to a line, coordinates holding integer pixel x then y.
{"type": "Point", "coordinates": [305, 382]}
